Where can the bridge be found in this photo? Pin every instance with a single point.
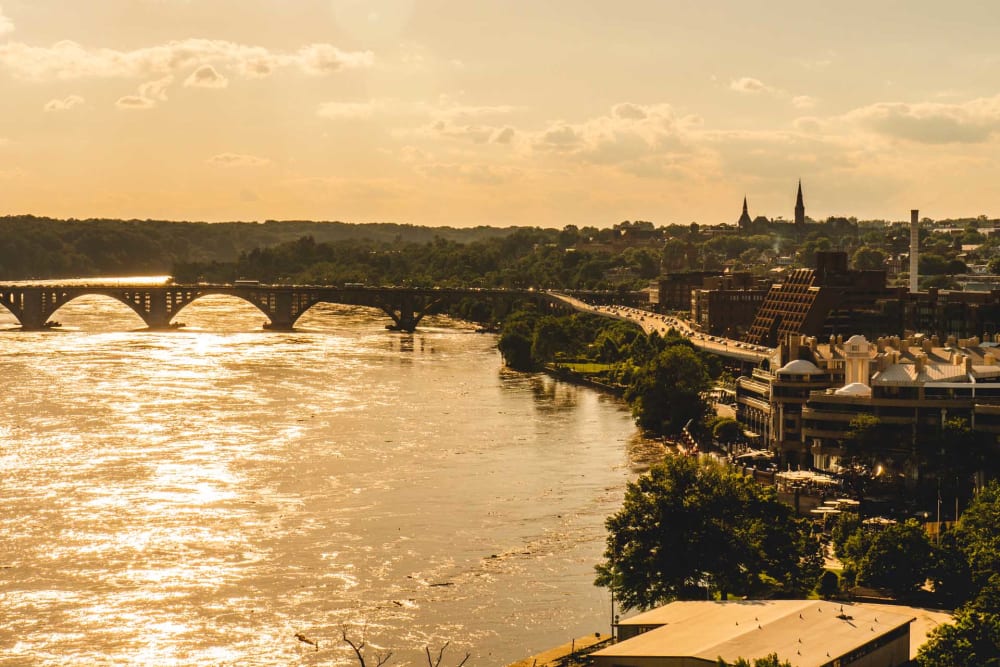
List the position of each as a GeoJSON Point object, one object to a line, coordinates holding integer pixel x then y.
{"type": "Point", "coordinates": [34, 304]}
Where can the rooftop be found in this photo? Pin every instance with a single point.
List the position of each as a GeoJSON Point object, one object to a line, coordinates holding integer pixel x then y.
{"type": "Point", "coordinates": [809, 633]}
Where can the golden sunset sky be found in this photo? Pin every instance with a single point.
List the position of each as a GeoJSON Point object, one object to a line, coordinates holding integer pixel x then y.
{"type": "Point", "coordinates": [499, 112]}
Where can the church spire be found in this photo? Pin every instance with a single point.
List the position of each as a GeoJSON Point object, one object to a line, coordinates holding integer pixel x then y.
{"type": "Point", "coordinates": [800, 208]}
{"type": "Point", "coordinates": [744, 220]}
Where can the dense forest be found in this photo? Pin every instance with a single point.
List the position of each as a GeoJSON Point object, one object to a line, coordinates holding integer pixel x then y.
{"type": "Point", "coordinates": [320, 253]}
{"type": "Point", "coordinates": [625, 255]}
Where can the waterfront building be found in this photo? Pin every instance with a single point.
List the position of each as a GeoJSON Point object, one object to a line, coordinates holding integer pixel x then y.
{"type": "Point", "coordinates": [808, 633]}
{"type": "Point", "coordinates": [800, 406]}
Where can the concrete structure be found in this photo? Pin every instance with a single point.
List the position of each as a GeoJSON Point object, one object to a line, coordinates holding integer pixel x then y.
{"type": "Point", "coordinates": [807, 633]}
{"type": "Point", "coordinates": [34, 305]}
{"type": "Point", "coordinates": [673, 290]}
{"type": "Point", "coordinates": [802, 409]}
{"type": "Point", "coordinates": [914, 251]}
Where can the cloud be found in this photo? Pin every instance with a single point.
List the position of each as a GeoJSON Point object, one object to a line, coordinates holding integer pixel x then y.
{"type": "Point", "coordinates": [749, 85]}
{"type": "Point", "coordinates": [319, 59]}
{"type": "Point", "coordinates": [206, 76]}
{"type": "Point", "coordinates": [237, 160]}
{"type": "Point", "coordinates": [156, 90]}
{"type": "Point", "coordinates": [64, 104]}
{"type": "Point", "coordinates": [974, 121]}
{"type": "Point", "coordinates": [136, 102]}
{"type": "Point", "coordinates": [503, 136]}
{"type": "Point", "coordinates": [6, 25]}
{"type": "Point", "coordinates": [448, 118]}
{"type": "Point", "coordinates": [803, 102]}
{"type": "Point", "coordinates": [631, 132]}
{"type": "Point", "coordinates": [71, 60]}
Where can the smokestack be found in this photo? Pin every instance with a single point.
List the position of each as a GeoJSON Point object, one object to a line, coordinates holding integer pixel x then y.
{"type": "Point", "coordinates": [914, 249]}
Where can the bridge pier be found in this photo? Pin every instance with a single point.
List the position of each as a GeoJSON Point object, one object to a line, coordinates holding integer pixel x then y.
{"type": "Point", "coordinates": [35, 307]}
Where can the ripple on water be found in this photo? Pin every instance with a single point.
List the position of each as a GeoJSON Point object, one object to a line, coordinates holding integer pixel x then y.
{"type": "Point", "coordinates": [199, 497]}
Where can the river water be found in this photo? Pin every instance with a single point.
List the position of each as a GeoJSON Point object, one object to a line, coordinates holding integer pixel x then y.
{"type": "Point", "coordinates": [202, 496]}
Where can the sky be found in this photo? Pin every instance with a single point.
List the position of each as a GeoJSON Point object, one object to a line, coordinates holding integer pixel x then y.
{"type": "Point", "coordinates": [499, 112]}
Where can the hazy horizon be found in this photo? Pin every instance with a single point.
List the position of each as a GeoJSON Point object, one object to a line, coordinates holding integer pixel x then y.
{"type": "Point", "coordinates": [439, 113]}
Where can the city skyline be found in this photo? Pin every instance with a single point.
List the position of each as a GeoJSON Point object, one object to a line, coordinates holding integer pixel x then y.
{"type": "Point", "coordinates": [443, 113]}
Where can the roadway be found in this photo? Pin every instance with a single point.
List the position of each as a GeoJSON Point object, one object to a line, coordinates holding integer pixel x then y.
{"type": "Point", "coordinates": [654, 322]}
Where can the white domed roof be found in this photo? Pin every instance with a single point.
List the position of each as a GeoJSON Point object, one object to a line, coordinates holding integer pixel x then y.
{"type": "Point", "coordinates": [854, 389]}
{"type": "Point", "coordinates": [857, 339]}
{"type": "Point", "coordinates": [799, 367]}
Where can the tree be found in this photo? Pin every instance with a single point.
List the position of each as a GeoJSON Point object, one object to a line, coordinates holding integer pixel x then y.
{"type": "Point", "coordinates": [382, 659]}
{"type": "Point", "coordinates": [669, 391]}
{"type": "Point", "coordinates": [726, 430]}
{"type": "Point", "coordinates": [866, 258]}
{"type": "Point", "coordinates": [771, 660]}
{"type": "Point", "coordinates": [974, 637]}
{"type": "Point", "coordinates": [688, 524]}
{"type": "Point", "coordinates": [978, 534]}
{"type": "Point", "coordinates": [899, 559]}
{"type": "Point", "coordinates": [829, 584]}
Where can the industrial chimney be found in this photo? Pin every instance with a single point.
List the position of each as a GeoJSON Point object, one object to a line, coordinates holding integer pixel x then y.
{"type": "Point", "coordinates": [914, 249]}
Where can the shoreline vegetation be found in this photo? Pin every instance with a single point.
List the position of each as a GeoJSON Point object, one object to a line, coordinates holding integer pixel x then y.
{"type": "Point", "coordinates": [664, 379]}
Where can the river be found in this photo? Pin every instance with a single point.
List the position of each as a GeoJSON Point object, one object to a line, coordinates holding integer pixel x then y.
{"type": "Point", "coordinates": [202, 496]}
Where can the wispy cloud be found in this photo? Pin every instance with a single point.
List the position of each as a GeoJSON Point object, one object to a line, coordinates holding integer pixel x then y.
{"type": "Point", "coordinates": [134, 102]}
{"type": "Point", "coordinates": [237, 160]}
{"type": "Point", "coordinates": [6, 25]}
{"type": "Point", "coordinates": [64, 104]}
{"type": "Point", "coordinates": [974, 121]}
{"type": "Point", "coordinates": [71, 60]}
{"type": "Point", "coordinates": [750, 85]}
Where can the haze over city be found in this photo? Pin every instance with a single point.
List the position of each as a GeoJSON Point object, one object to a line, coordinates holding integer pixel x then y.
{"type": "Point", "coordinates": [449, 113]}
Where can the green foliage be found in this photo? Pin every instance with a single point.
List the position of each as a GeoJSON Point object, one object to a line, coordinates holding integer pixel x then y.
{"type": "Point", "coordinates": [726, 429]}
{"type": "Point", "coordinates": [515, 340]}
{"type": "Point", "coordinates": [899, 558]}
{"type": "Point", "coordinates": [973, 638]}
{"type": "Point", "coordinates": [668, 391]}
{"type": "Point", "coordinates": [686, 524]}
{"type": "Point", "coordinates": [771, 660]}
{"type": "Point", "coordinates": [867, 258]}
{"type": "Point", "coordinates": [844, 526]}
{"type": "Point", "coordinates": [829, 584]}
{"type": "Point", "coordinates": [978, 534]}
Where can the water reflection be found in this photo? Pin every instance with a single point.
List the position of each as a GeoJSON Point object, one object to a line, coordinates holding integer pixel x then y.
{"type": "Point", "coordinates": [200, 496]}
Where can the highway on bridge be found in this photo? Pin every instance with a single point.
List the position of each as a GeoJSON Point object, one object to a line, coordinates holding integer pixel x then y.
{"type": "Point", "coordinates": [655, 322]}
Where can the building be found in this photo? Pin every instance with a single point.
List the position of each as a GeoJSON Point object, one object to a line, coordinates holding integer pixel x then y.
{"type": "Point", "coordinates": [745, 220]}
{"type": "Point", "coordinates": [800, 208]}
{"type": "Point", "coordinates": [828, 300]}
{"type": "Point", "coordinates": [726, 307]}
{"type": "Point", "coordinates": [673, 290]}
{"type": "Point", "coordinates": [801, 406]}
{"type": "Point", "coordinates": [808, 633]}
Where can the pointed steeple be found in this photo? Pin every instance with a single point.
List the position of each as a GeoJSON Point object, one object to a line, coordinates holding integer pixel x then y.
{"type": "Point", "coordinates": [744, 220]}
{"type": "Point", "coordinates": [800, 208]}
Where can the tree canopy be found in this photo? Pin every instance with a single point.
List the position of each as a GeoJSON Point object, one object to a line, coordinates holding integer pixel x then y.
{"type": "Point", "coordinates": [689, 524]}
{"type": "Point", "coordinates": [669, 391]}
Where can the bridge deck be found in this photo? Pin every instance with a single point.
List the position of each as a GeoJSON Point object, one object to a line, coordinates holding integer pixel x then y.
{"type": "Point", "coordinates": [650, 322]}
